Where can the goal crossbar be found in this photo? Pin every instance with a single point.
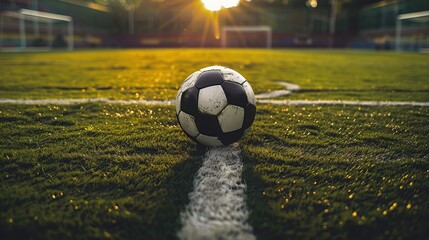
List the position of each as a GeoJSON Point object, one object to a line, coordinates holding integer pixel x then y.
{"type": "Point", "coordinates": [405, 16]}
{"type": "Point", "coordinates": [413, 15]}
{"type": "Point", "coordinates": [266, 29]}
{"type": "Point", "coordinates": [37, 16]}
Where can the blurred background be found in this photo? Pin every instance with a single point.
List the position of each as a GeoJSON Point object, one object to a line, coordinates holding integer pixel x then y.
{"type": "Point", "coordinates": [69, 24]}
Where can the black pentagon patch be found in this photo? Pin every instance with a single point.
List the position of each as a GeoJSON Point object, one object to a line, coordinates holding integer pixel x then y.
{"type": "Point", "coordinates": [249, 115]}
{"type": "Point", "coordinates": [189, 102]}
{"type": "Point", "coordinates": [209, 78]}
{"type": "Point", "coordinates": [235, 94]}
{"type": "Point", "coordinates": [208, 124]}
{"type": "Point", "coordinates": [231, 137]}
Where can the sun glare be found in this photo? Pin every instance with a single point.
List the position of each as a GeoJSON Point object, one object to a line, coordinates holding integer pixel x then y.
{"type": "Point", "coordinates": [216, 5]}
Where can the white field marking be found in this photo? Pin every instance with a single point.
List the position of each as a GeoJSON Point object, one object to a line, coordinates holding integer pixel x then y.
{"type": "Point", "coordinates": [273, 94]}
{"type": "Point", "coordinates": [217, 207]}
{"type": "Point", "coordinates": [84, 100]}
{"type": "Point", "coordinates": [290, 87]}
{"type": "Point", "coordinates": [172, 102]}
{"type": "Point", "coordinates": [261, 98]}
{"type": "Point", "coordinates": [341, 102]}
{"type": "Point", "coordinates": [293, 87]}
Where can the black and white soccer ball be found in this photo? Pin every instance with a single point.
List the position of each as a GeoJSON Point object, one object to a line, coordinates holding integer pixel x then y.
{"type": "Point", "coordinates": [215, 106]}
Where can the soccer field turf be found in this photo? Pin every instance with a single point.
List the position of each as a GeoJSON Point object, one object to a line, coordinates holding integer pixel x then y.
{"type": "Point", "coordinates": [157, 74]}
{"type": "Point", "coordinates": [124, 171]}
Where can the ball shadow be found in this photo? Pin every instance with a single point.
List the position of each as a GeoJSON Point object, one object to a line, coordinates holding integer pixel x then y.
{"type": "Point", "coordinates": [178, 186]}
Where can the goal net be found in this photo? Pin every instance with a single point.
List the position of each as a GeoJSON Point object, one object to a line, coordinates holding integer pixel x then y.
{"type": "Point", "coordinates": [246, 36]}
{"type": "Point", "coordinates": [412, 31]}
{"type": "Point", "coordinates": [29, 30]}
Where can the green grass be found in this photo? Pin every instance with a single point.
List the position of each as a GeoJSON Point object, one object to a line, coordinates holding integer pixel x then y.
{"type": "Point", "coordinates": [339, 172]}
{"type": "Point", "coordinates": [124, 171]}
{"type": "Point", "coordinates": [157, 74]}
{"type": "Point", "coordinates": [64, 169]}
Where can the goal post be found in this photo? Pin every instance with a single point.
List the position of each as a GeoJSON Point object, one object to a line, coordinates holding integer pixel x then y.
{"type": "Point", "coordinates": [422, 16]}
{"type": "Point", "coordinates": [14, 34]}
{"type": "Point", "coordinates": [247, 36]}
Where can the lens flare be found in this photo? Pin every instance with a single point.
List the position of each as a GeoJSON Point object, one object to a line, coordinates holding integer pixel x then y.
{"type": "Point", "coordinates": [216, 5]}
{"type": "Point", "coordinates": [230, 3]}
{"type": "Point", "coordinates": [212, 5]}
{"type": "Point", "coordinates": [311, 3]}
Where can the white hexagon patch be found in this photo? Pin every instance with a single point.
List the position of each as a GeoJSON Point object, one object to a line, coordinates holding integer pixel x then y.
{"type": "Point", "coordinates": [212, 100]}
{"type": "Point", "coordinates": [188, 124]}
{"type": "Point", "coordinates": [209, 141]}
{"type": "Point", "coordinates": [178, 101]}
{"type": "Point", "coordinates": [231, 118]}
{"type": "Point", "coordinates": [190, 81]}
{"type": "Point", "coordinates": [250, 94]}
{"type": "Point", "coordinates": [233, 76]}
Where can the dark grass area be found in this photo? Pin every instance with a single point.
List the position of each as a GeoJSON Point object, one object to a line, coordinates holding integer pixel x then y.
{"type": "Point", "coordinates": [339, 172]}
{"type": "Point", "coordinates": [314, 172]}
{"type": "Point", "coordinates": [93, 171]}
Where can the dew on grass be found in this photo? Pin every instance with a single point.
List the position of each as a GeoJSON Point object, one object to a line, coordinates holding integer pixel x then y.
{"type": "Point", "coordinates": [106, 234]}
{"type": "Point", "coordinates": [394, 205]}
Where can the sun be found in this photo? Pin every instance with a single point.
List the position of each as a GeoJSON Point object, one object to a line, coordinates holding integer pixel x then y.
{"type": "Point", "coordinates": [216, 5]}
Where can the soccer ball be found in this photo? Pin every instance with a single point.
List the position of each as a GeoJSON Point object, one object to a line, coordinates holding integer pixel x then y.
{"type": "Point", "coordinates": [215, 106]}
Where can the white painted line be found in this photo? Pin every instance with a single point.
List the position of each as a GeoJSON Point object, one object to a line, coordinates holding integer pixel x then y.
{"type": "Point", "coordinates": [217, 207]}
{"type": "Point", "coordinates": [172, 102]}
{"type": "Point", "coordinates": [290, 87]}
{"type": "Point", "coordinates": [261, 98]}
{"type": "Point", "coordinates": [84, 100]}
{"type": "Point", "coordinates": [341, 102]}
{"type": "Point", "coordinates": [273, 94]}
